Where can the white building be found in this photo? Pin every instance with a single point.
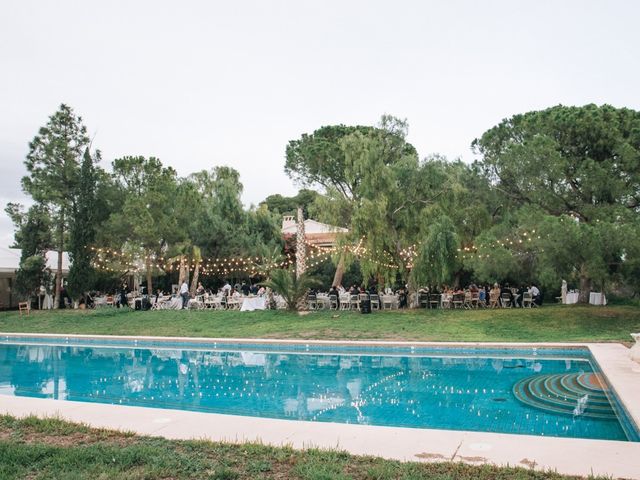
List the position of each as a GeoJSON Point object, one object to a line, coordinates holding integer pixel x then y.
{"type": "Point", "coordinates": [316, 233]}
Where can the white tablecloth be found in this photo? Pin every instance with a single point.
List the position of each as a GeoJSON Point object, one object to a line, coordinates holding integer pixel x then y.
{"type": "Point", "coordinates": [250, 304]}
{"type": "Point", "coordinates": [174, 304]}
{"type": "Point", "coordinates": [596, 298]}
{"type": "Point", "coordinates": [572, 297]}
{"type": "Point", "coordinates": [389, 300]}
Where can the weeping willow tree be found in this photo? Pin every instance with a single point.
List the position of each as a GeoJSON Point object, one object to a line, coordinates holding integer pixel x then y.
{"type": "Point", "coordinates": [437, 260]}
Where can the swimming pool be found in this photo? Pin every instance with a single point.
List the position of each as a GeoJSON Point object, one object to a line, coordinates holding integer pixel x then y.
{"type": "Point", "coordinates": [551, 392]}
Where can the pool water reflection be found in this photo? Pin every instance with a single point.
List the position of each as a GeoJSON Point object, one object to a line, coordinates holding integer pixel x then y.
{"type": "Point", "coordinates": [457, 392]}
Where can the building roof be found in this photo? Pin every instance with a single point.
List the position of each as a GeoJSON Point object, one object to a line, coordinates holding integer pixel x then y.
{"type": "Point", "coordinates": [311, 227]}
{"type": "Point", "coordinates": [10, 260]}
{"type": "Point", "coordinates": [316, 233]}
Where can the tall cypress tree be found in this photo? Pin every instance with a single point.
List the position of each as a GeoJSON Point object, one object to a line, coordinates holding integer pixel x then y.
{"type": "Point", "coordinates": [82, 230]}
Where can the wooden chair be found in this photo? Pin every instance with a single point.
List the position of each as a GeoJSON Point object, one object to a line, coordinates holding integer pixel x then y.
{"type": "Point", "coordinates": [24, 307]}
{"type": "Point", "coordinates": [458, 300]}
{"type": "Point", "coordinates": [423, 300]}
{"type": "Point", "coordinates": [434, 300]}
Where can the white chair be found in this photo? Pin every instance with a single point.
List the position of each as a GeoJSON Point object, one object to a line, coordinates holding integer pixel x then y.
{"type": "Point", "coordinates": [345, 302]}
{"type": "Point", "coordinates": [354, 302]}
{"type": "Point", "coordinates": [334, 303]}
{"type": "Point", "coordinates": [312, 302]}
{"type": "Point", "coordinates": [505, 300]}
{"type": "Point", "coordinates": [375, 301]}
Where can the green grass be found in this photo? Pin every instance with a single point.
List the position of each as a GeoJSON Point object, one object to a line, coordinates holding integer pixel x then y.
{"type": "Point", "coordinates": [547, 324]}
{"type": "Point", "coordinates": [49, 448]}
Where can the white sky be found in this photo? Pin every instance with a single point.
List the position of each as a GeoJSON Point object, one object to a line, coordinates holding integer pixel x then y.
{"type": "Point", "coordinates": [204, 83]}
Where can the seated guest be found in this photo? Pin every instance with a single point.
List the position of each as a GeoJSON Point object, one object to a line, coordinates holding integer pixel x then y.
{"type": "Point", "coordinates": [245, 289]}
{"type": "Point", "coordinates": [200, 289]}
{"type": "Point", "coordinates": [354, 290]}
{"type": "Point", "coordinates": [495, 294]}
{"type": "Point", "coordinates": [261, 291]}
{"type": "Point", "coordinates": [506, 290]}
{"type": "Point", "coordinates": [254, 289]}
{"type": "Point", "coordinates": [334, 291]}
{"type": "Point", "coordinates": [536, 294]}
{"type": "Point", "coordinates": [521, 291]}
{"type": "Point", "coordinates": [482, 295]}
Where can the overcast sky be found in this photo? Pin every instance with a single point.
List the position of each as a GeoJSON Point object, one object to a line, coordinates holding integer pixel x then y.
{"type": "Point", "coordinates": [206, 83]}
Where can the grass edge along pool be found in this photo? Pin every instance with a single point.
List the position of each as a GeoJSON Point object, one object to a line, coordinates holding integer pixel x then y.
{"type": "Point", "coordinates": [533, 390]}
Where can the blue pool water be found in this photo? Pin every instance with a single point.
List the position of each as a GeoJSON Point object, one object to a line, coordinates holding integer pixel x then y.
{"type": "Point", "coordinates": [540, 392]}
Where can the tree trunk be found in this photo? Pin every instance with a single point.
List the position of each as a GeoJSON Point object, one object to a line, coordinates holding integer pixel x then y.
{"type": "Point", "coordinates": [456, 280]}
{"type": "Point", "coordinates": [337, 277]}
{"type": "Point", "coordinates": [56, 302]}
{"type": "Point", "coordinates": [194, 280]}
{"type": "Point", "coordinates": [181, 271]}
{"type": "Point", "coordinates": [149, 279]}
{"type": "Point", "coordinates": [585, 286]}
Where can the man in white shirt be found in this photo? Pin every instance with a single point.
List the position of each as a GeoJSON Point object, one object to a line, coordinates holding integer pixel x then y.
{"type": "Point", "coordinates": [184, 293]}
{"type": "Point", "coordinates": [535, 293]}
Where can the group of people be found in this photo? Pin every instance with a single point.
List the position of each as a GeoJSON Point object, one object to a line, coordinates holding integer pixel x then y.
{"type": "Point", "coordinates": [495, 295]}
{"type": "Point", "coordinates": [236, 291]}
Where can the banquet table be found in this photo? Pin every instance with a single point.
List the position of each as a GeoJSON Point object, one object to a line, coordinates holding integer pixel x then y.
{"type": "Point", "coordinates": [324, 299]}
{"type": "Point", "coordinates": [389, 301]}
{"type": "Point", "coordinates": [596, 298]}
{"type": "Point", "coordinates": [572, 297]}
{"type": "Point", "coordinates": [249, 304]}
{"type": "Point", "coordinates": [174, 303]}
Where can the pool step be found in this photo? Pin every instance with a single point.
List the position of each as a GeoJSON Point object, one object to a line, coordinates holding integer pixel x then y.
{"type": "Point", "coordinates": [581, 394]}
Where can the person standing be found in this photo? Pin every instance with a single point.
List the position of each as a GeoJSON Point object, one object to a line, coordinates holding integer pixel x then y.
{"type": "Point", "coordinates": [184, 293]}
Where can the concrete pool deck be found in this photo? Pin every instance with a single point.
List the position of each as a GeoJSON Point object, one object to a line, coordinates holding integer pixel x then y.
{"type": "Point", "coordinates": [569, 456]}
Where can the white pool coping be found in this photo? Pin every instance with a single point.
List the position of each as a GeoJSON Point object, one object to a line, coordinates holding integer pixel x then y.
{"type": "Point", "coordinates": [568, 456]}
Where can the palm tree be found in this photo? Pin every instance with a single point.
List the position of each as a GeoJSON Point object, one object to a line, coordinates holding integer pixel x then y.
{"type": "Point", "coordinates": [292, 289]}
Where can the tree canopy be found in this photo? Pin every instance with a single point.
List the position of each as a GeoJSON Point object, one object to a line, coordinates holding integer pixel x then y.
{"type": "Point", "coordinates": [554, 194]}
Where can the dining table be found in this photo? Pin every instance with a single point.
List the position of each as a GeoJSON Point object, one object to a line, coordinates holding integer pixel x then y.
{"type": "Point", "coordinates": [249, 304]}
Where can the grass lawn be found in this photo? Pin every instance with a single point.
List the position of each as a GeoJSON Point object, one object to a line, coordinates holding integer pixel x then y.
{"type": "Point", "coordinates": [42, 449]}
{"type": "Point", "coordinates": [548, 324]}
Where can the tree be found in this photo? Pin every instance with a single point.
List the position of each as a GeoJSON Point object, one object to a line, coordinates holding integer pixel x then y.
{"type": "Point", "coordinates": [33, 237]}
{"type": "Point", "coordinates": [438, 254]}
{"type": "Point", "coordinates": [82, 231]}
{"type": "Point", "coordinates": [288, 205]}
{"type": "Point", "coordinates": [147, 220]}
{"type": "Point", "coordinates": [581, 162]}
{"type": "Point", "coordinates": [292, 288]}
{"type": "Point", "coordinates": [358, 168]}
{"type": "Point", "coordinates": [53, 164]}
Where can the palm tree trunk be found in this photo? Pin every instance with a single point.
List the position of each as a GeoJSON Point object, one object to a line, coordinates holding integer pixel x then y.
{"type": "Point", "coordinates": [194, 280]}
